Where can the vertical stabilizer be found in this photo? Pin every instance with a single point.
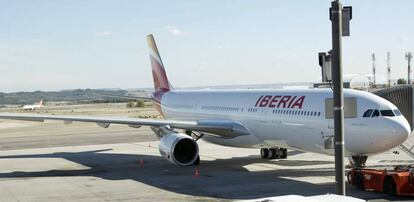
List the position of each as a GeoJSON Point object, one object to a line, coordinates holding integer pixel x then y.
{"type": "Point", "coordinates": [159, 75]}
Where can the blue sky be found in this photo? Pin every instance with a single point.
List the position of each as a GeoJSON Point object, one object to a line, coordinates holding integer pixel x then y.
{"type": "Point", "coordinates": [54, 45]}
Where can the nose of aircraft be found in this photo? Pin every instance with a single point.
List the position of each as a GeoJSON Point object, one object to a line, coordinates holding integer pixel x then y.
{"type": "Point", "coordinates": [382, 134]}
{"type": "Point", "coordinates": [400, 129]}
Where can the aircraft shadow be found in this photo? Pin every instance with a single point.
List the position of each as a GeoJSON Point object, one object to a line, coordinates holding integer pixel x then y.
{"type": "Point", "coordinates": [221, 178]}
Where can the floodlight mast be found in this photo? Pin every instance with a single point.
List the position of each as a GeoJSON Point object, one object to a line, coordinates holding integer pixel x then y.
{"type": "Point", "coordinates": [409, 56]}
{"type": "Point", "coordinates": [373, 69]}
{"type": "Point", "coordinates": [389, 68]}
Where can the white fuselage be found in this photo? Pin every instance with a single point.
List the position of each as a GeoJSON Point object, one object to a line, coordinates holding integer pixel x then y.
{"type": "Point", "coordinates": [291, 118]}
{"type": "Point", "coordinates": [32, 107]}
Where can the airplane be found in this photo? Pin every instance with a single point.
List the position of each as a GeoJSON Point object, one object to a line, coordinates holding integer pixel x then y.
{"type": "Point", "coordinates": [270, 120]}
{"type": "Point", "coordinates": [33, 106]}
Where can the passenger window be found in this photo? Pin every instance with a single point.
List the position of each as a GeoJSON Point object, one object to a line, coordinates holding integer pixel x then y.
{"type": "Point", "coordinates": [387, 113]}
{"type": "Point", "coordinates": [368, 113]}
{"type": "Point", "coordinates": [375, 114]}
{"type": "Point", "coordinates": [397, 112]}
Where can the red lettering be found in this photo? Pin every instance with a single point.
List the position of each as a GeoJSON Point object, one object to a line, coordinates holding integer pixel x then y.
{"type": "Point", "coordinates": [274, 100]}
{"type": "Point", "coordinates": [257, 102]}
{"type": "Point", "coordinates": [265, 101]}
{"type": "Point", "coordinates": [299, 102]}
{"type": "Point", "coordinates": [279, 101]}
{"type": "Point", "coordinates": [291, 101]}
{"type": "Point", "coordinates": [283, 101]}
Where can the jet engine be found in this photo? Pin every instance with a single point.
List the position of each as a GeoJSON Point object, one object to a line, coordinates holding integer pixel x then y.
{"type": "Point", "coordinates": [179, 148]}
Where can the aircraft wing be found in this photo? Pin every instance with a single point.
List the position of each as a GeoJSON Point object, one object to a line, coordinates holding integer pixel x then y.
{"type": "Point", "coordinates": [125, 96]}
{"type": "Point", "coordinates": [221, 128]}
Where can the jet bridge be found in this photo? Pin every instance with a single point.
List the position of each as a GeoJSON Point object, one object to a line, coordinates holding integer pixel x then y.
{"type": "Point", "coordinates": [402, 97]}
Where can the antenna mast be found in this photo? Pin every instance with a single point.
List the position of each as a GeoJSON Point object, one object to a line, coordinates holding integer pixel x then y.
{"type": "Point", "coordinates": [409, 56]}
{"type": "Point", "coordinates": [389, 68]}
{"type": "Point", "coordinates": [373, 69]}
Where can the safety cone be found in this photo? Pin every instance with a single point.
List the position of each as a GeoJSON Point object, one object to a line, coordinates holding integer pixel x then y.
{"type": "Point", "coordinates": [196, 173]}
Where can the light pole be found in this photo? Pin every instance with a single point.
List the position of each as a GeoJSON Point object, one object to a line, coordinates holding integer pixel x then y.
{"type": "Point", "coordinates": [409, 56]}
{"type": "Point", "coordinates": [336, 16]}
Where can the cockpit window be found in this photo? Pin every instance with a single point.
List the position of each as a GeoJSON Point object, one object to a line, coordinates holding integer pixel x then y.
{"type": "Point", "coordinates": [376, 113]}
{"type": "Point", "coordinates": [368, 113]}
{"type": "Point", "coordinates": [397, 112]}
{"type": "Point", "coordinates": [387, 113]}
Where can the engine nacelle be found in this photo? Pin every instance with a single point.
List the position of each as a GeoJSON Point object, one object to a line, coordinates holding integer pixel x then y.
{"type": "Point", "coordinates": [134, 126]}
{"type": "Point", "coordinates": [179, 148]}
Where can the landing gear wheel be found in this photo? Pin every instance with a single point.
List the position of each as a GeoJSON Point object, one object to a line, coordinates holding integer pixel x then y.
{"type": "Point", "coordinates": [358, 181]}
{"type": "Point", "coordinates": [389, 186]}
{"type": "Point", "coordinates": [272, 153]}
{"type": "Point", "coordinates": [197, 161]}
{"type": "Point", "coordinates": [348, 177]}
{"type": "Point", "coordinates": [279, 153]}
{"type": "Point", "coordinates": [284, 154]}
{"type": "Point", "coordinates": [264, 153]}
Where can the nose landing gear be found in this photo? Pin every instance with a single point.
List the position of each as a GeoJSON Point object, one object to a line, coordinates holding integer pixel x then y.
{"type": "Point", "coordinates": [273, 153]}
{"type": "Point", "coordinates": [358, 161]}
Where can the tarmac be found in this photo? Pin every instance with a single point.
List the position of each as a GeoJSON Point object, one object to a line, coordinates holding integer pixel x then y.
{"type": "Point", "coordinates": [83, 162]}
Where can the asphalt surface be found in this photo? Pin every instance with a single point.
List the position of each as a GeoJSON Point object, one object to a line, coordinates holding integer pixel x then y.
{"type": "Point", "coordinates": [83, 162]}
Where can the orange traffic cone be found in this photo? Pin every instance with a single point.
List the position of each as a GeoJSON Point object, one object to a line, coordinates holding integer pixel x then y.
{"type": "Point", "coordinates": [196, 173]}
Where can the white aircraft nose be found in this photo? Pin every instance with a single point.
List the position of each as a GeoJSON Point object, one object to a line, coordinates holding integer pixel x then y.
{"type": "Point", "coordinates": [399, 131]}
{"type": "Point", "coordinates": [382, 134]}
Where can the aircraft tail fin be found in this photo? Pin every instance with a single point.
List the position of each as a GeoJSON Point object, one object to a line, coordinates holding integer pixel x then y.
{"type": "Point", "coordinates": [41, 103]}
{"type": "Point", "coordinates": [159, 75]}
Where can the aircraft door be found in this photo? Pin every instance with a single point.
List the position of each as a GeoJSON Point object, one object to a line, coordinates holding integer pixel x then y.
{"type": "Point", "coordinates": [328, 132]}
{"type": "Point", "coordinates": [327, 138]}
{"type": "Point", "coordinates": [350, 111]}
{"type": "Point", "coordinates": [331, 124]}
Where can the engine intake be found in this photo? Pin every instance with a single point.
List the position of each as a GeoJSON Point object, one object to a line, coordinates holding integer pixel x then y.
{"type": "Point", "coordinates": [179, 148]}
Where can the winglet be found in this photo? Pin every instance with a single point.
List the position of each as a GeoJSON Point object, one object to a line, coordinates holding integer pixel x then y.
{"type": "Point", "coordinates": [159, 75]}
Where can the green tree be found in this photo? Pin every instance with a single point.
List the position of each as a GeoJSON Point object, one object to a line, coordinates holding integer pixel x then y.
{"type": "Point", "coordinates": [401, 81]}
{"type": "Point", "coordinates": [130, 104]}
{"type": "Point", "coordinates": [140, 103]}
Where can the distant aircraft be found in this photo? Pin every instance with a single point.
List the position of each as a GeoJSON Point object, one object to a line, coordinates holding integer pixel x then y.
{"type": "Point", "coordinates": [270, 120]}
{"type": "Point", "coordinates": [33, 106]}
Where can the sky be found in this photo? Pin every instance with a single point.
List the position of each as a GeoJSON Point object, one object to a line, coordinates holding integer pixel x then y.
{"type": "Point", "coordinates": [68, 44]}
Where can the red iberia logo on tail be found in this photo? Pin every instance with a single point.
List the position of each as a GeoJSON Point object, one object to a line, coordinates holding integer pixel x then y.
{"type": "Point", "coordinates": [159, 75]}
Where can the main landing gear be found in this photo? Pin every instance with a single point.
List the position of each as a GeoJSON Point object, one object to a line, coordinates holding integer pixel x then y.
{"type": "Point", "coordinates": [273, 153]}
